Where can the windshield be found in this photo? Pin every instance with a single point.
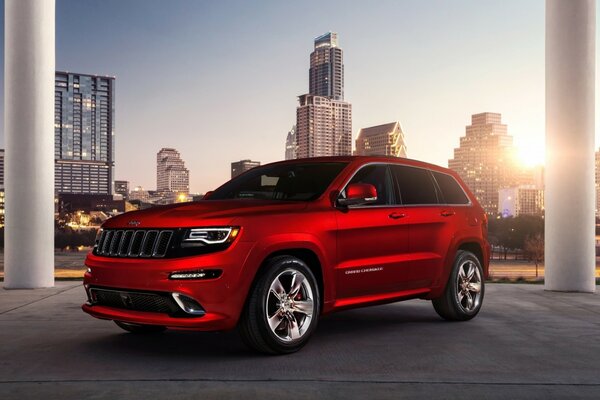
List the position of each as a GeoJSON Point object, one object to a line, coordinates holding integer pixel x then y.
{"type": "Point", "coordinates": [286, 182]}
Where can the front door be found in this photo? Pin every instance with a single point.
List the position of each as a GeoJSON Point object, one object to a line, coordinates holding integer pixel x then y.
{"type": "Point", "coordinates": [372, 239]}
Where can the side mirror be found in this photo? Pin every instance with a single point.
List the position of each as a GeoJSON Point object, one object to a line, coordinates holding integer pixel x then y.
{"type": "Point", "coordinates": [357, 194]}
{"type": "Point", "coordinates": [207, 195]}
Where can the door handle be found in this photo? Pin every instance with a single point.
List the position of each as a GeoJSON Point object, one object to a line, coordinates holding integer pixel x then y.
{"type": "Point", "coordinates": [447, 213]}
{"type": "Point", "coordinates": [396, 215]}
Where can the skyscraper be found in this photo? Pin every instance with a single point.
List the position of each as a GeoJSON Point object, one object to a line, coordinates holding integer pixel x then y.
{"type": "Point", "coordinates": [84, 133]}
{"type": "Point", "coordinates": [239, 167]}
{"type": "Point", "coordinates": [290, 144]}
{"type": "Point", "coordinates": [1, 169]}
{"type": "Point", "coordinates": [486, 159]}
{"type": "Point", "coordinates": [171, 173]}
{"type": "Point", "coordinates": [381, 140]}
{"type": "Point", "coordinates": [326, 73]}
{"type": "Point", "coordinates": [323, 118]}
{"type": "Point", "coordinates": [597, 183]}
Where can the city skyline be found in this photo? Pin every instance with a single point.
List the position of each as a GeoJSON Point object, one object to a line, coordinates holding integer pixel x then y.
{"type": "Point", "coordinates": [379, 88]}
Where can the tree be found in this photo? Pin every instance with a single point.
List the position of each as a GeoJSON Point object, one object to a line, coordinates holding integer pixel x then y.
{"type": "Point", "coordinates": [534, 247]}
{"type": "Point", "coordinates": [510, 233]}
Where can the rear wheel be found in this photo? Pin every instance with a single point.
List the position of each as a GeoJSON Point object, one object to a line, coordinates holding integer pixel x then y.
{"type": "Point", "coordinates": [139, 328]}
{"type": "Point", "coordinates": [464, 291]}
{"type": "Point", "coordinates": [282, 309]}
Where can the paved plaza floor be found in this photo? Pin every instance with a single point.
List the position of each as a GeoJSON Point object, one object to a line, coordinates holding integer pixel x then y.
{"type": "Point", "coordinates": [526, 343]}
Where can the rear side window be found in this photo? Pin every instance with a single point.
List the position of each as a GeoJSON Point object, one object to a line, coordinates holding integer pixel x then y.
{"type": "Point", "coordinates": [451, 190]}
{"type": "Point", "coordinates": [415, 185]}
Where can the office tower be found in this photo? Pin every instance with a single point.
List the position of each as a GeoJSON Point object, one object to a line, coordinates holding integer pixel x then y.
{"type": "Point", "coordinates": [323, 118]}
{"type": "Point", "coordinates": [326, 73]}
{"type": "Point", "coordinates": [2, 169]}
{"type": "Point", "coordinates": [290, 144]}
{"type": "Point", "coordinates": [598, 183]}
{"type": "Point", "coordinates": [381, 140]}
{"type": "Point", "coordinates": [122, 188]}
{"type": "Point", "coordinates": [239, 167]}
{"type": "Point", "coordinates": [84, 133]}
{"type": "Point", "coordinates": [171, 173]}
{"type": "Point", "coordinates": [486, 159]}
{"type": "Point", "coordinates": [520, 200]}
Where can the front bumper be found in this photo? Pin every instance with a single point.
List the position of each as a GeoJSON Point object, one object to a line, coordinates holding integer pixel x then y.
{"type": "Point", "coordinates": [222, 298]}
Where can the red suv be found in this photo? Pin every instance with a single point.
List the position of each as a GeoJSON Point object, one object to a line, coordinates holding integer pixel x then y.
{"type": "Point", "coordinates": [278, 246]}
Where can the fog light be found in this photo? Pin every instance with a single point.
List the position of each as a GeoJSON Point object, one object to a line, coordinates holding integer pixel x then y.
{"type": "Point", "coordinates": [196, 274]}
{"type": "Point", "coordinates": [89, 270]}
{"type": "Point", "coordinates": [188, 304]}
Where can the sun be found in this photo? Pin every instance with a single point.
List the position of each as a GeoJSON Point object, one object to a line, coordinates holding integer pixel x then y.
{"type": "Point", "coordinates": [530, 155]}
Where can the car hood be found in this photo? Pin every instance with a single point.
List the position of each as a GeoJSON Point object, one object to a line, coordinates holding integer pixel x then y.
{"type": "Point", "coordinates": [209, 212]}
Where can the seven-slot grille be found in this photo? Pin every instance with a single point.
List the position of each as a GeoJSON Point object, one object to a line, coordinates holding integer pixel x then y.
{"type": "Point", "coordinates": [133, 243]}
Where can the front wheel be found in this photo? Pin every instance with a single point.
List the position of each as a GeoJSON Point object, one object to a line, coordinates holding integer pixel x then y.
{"type": "Point", "coordinates": [139, 328]}
{"type": "Point", "coordinates": [282, 308]}
{"type": "Point", "coordinates": [464, 291]}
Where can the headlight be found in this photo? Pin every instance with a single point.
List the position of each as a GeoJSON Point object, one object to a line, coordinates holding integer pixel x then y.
{"type": "Point", "coordinates": [197, 237]}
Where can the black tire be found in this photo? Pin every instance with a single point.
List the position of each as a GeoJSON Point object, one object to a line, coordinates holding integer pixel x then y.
{"type": "Point", "coordinates": [261, 303]}
{"type": "Point", "coordinates": [450, 305]}
{"type": "Point", "coordinates": [139, 328]}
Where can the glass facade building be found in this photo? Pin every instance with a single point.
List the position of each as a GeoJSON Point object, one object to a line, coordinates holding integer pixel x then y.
{"type": "Point", "coordinates": [84, 133]}
{"type": "Point", "coordinates": [323, 118]}
{"type": "Point", "coordinates": [291, 146]}
{"type": "Point", "coordinates": [381, 140]}
{"type": "Point", "coordinates": [486, 159]}
{"type": "Point", "coordinates": [239, 167]}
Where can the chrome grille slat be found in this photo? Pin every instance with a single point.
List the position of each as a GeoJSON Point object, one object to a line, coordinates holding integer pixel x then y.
{"type": "Point", "coordinates": [101, 242]}
{"type": "Point", "coordinates": [162, 244]}
{"type": "Point", "coordinates": [148, 244]}
{"type": "Point", "coordinates": [136, 243]}
{"type": "Point", "coordinates": [107, 241]}
{"type": "Point", "coordinates": [131, 243]}
{"type": "Point", "coordinates": [125, 244]}
{"type": "Point", "coordinates": [116, 243]}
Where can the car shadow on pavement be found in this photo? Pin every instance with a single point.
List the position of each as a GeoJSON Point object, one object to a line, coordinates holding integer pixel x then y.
{"type": "Point", "coordinates": [372, 323]}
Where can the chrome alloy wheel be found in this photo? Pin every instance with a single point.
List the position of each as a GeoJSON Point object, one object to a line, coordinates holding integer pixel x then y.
{"type": "Point", "coordinates": [468, 286]}
{"type": "Point", "coordinates": [289, 305]}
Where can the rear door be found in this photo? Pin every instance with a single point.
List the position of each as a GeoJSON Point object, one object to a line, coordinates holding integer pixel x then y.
{"type": "Point", "coordinates": [431, 224]}
{"type": "Point", "coordinates": [372, 239]}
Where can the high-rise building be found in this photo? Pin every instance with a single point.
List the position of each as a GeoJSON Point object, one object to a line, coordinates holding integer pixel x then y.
{"type": "Point", "coordinates": [323, 118]}
{"type": "Point", "coordinates": [326, 73]}
{"type": "Point", "coordinates": [486, 159]}
{"type": "Point", "coordinates": [122, 188]}
{"type": "Point", "coordinates": [239, 167]}
{"type": "Point", "coordinates": [2, 169]}
{"type": "Point", "coordinates": [84, 133]}
{"type": "Point", "coordinates": [171, 173]}
{"type": "Point", "coordinates": [290, 144]}
{"type": "Point", "coordinates": [598, 183]}
{"type": "Point", "coordinates": [381, 140]}
{"type": "Point", "coordinates": [521, 200]}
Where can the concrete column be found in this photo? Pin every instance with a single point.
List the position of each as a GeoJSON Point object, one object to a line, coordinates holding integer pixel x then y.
{"type": "Point", "coordinates": [29, 142]}
{"type": "Point", "coordinates": [570, 194]}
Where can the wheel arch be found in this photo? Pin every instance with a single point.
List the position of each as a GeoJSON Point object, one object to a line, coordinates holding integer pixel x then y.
{"type": "Point", "coordinates": [308, 256]}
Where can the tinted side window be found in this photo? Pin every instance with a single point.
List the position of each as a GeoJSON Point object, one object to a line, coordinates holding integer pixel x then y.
{"type": "Point", "coordinates": [451, 190]}
{"type": "Point", "coordinates": [378, 176]}
{"type": "Point", "coordinates": [415, 185]}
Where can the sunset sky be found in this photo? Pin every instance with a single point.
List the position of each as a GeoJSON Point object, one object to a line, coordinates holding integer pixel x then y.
{"type": "Point", "coordinates": [218, 80]}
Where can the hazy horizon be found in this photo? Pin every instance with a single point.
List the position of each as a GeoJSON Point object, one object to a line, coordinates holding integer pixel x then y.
{"type": "Point", "coordinates": [219, 81]}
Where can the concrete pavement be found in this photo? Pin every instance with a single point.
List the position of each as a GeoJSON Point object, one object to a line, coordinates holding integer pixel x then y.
{"type": "Point", "coordinates": [526, 343]}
